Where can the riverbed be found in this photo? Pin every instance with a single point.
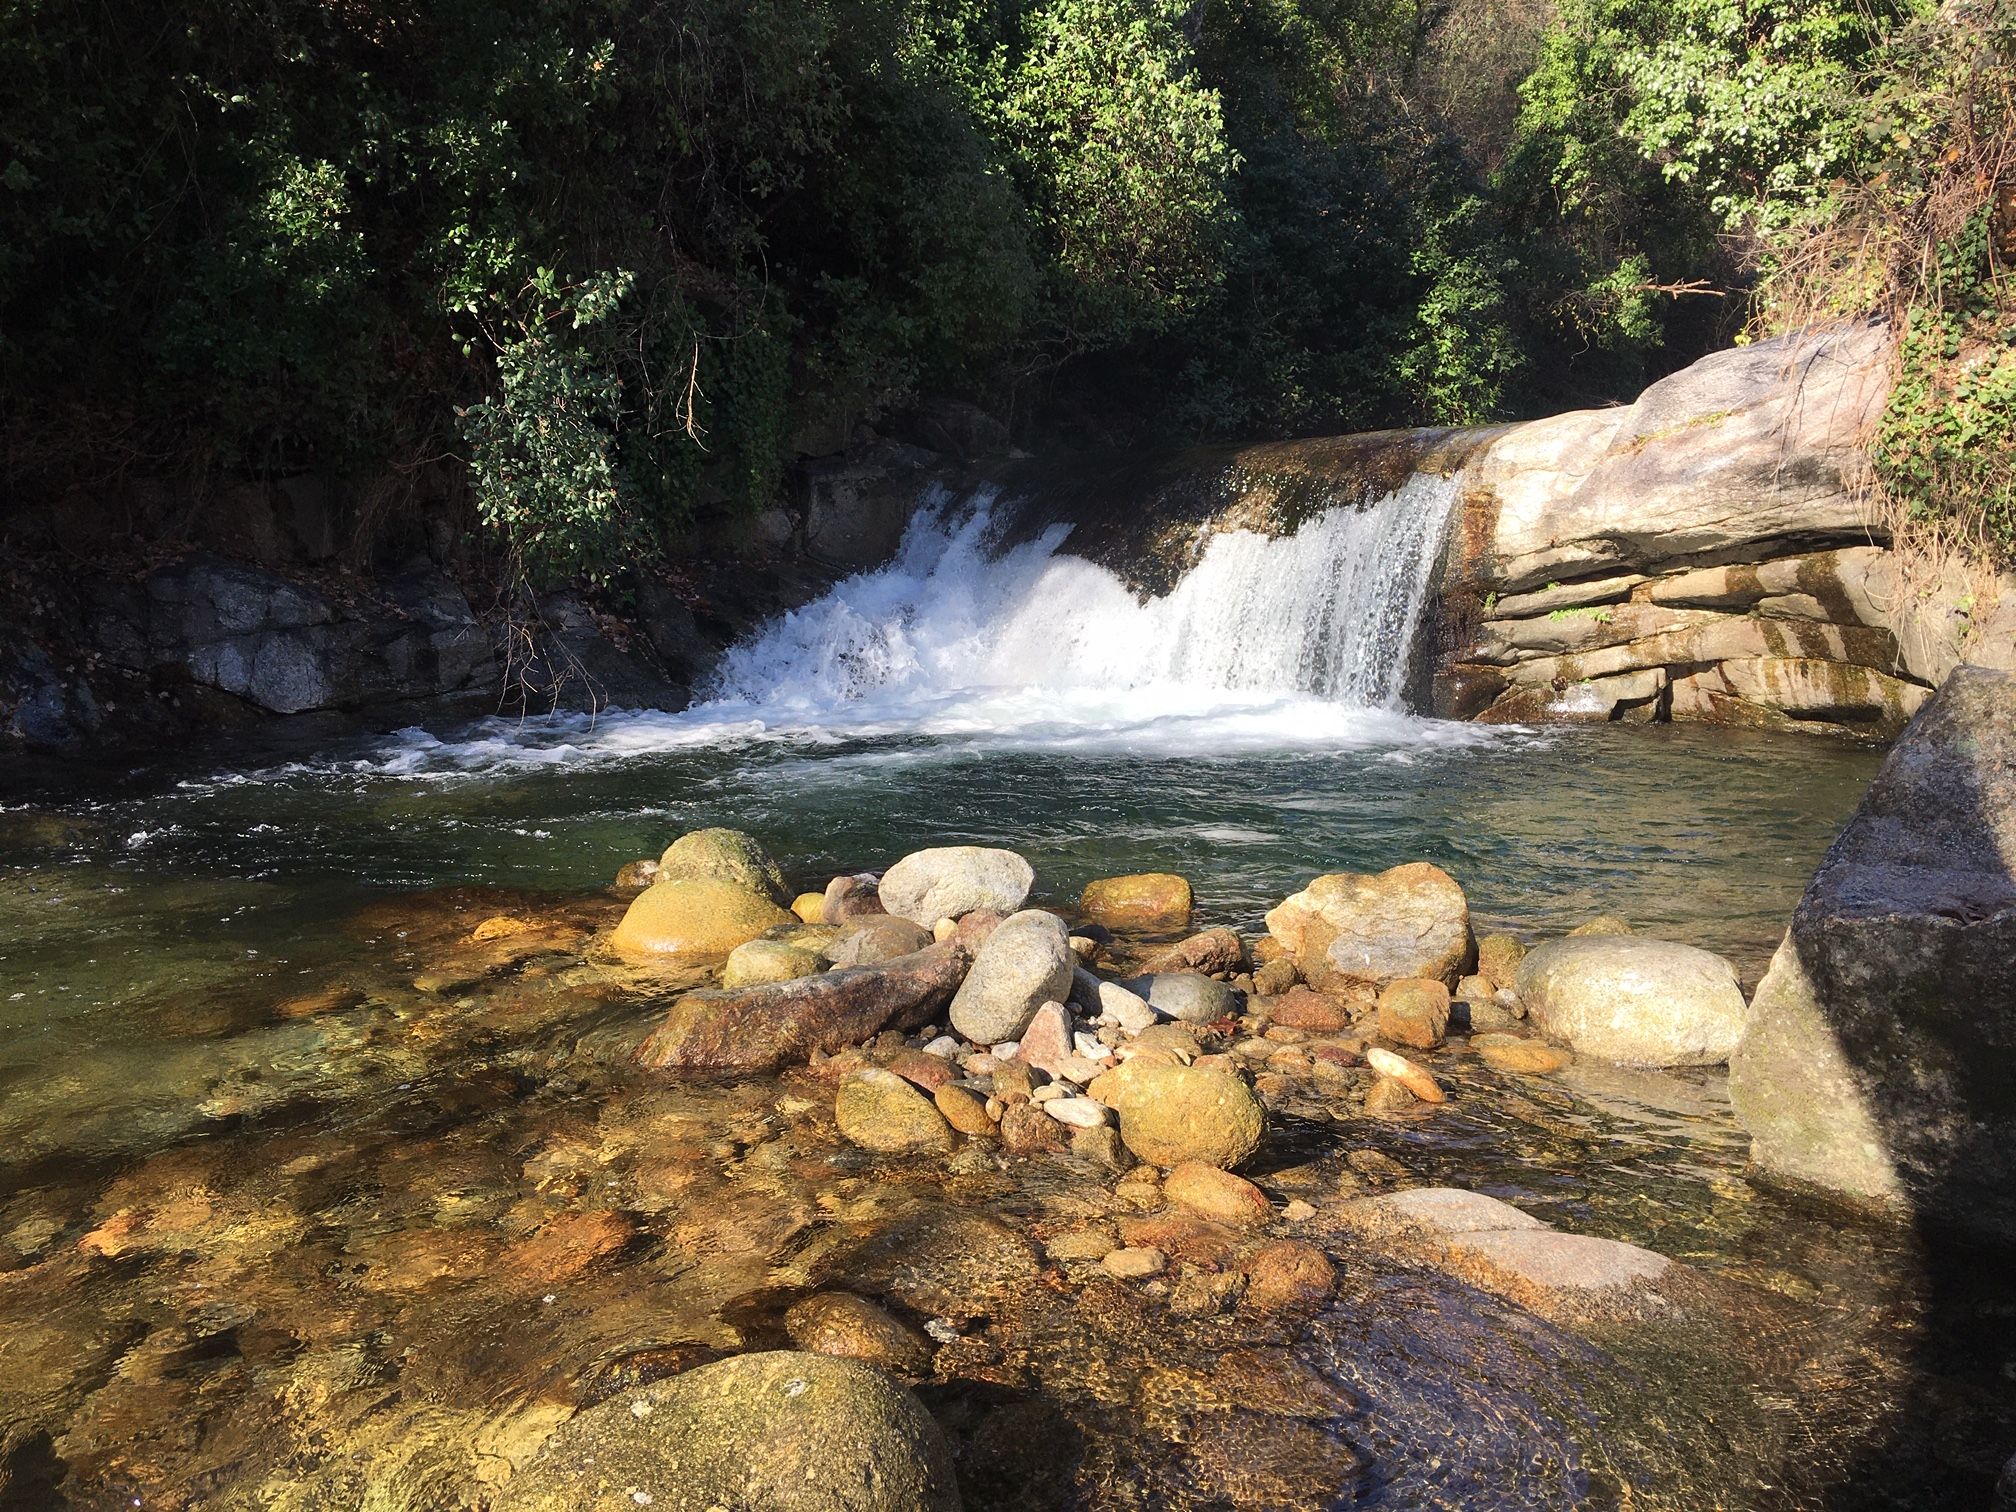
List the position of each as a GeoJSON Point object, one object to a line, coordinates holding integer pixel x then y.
{"type": "Point", "coordinates": [307, 1204]}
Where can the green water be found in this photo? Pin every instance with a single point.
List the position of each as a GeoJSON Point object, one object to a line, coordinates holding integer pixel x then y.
{"type": "Point", "coordinates": [281, 1228]}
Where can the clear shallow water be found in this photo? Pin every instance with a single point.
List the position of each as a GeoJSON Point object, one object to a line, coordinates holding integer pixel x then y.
{"type": "Point", "coordinates": [255, 1177]}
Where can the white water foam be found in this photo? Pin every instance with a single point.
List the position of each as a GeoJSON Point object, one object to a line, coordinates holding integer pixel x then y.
{"type": "Point", "coordinates": [971, 641]}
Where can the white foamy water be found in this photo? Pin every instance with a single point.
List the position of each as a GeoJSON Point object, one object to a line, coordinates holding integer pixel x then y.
{"type": "Point", "coordinates": [969, 640]}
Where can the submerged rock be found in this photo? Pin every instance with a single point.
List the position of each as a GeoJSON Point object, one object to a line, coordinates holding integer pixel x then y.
{"type": "Point", "coordinates": [1880, 1056]}
{"type": "Point", "coordinates": [1408, 921]}
{"type": "Point", "coordinates": [949, 881]}
{"type": "Point", "coordinates": [763, 1028]}
{"type": "Point", "coordinates": [853, 1328]}
{"type": "Point", "coordinates": [692, 920]}
{"type": "Point", "coordinates": [878, 1110]}
{"type": "Point", "coordinates": [1146, 901]}
{"type": "Point", "coordinates": [1170, 1114]}
{"type": "Point", "coordinates": [1513, 1253]}
{"type": "Point", "coordinates": [723, 855]}
{"type": "Point", "coordinates": [1634, 1001]}
{"type": "Point", "coordinates": [1289, 1276]}
{"type": "Point", "coordinates": [1216, 1194]}
{"type": "Point", "coordinates": [1025, 963]}
{"type": "Point", "coordinates": [1510, 1052]}
{"type": "Point", "coordinates": [784, 1431]}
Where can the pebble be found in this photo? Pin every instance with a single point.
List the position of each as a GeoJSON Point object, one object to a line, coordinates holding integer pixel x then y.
{"type": "Point", "coordinates": [1079, 1112]}
{"type": "Point", "coordinates": [945, 1045]}
{"type": "Point", "coordinates": [1414, 1078]}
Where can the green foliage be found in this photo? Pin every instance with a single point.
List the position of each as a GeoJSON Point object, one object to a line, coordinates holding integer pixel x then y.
{"type": "Point", "coordinates": [542, 453]}
{"type": "Point", "coordinates": [252, 239]}
{"type": "Point", "coordinates": [1124, 152]}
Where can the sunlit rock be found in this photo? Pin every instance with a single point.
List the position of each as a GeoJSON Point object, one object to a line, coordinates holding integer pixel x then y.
{"type": "Point", "coordinates": [693, 920]}
{"type": "Point", "coordinates": [948, 881]}
{"type": "Point", "coordinates": [1145, 902]}
{"type": "Point", "coordinates": [1408, 921]}
{"type": "Point", "coordinates": [1633, 1000]}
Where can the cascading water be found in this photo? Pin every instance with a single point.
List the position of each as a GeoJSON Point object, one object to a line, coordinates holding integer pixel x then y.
{"type": "Point", "coordinates": [1329, 611]}
{"type": "Point", "coordinates": [970, 637]}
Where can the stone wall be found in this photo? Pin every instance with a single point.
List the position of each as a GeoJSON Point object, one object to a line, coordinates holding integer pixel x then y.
{"type": "Point", "coordinates": [1703, 555]}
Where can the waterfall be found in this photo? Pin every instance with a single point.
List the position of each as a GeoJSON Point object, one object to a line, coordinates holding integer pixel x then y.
{"type": "Point", "coordinates": [976, 637]}
{"type": "Point", "coordinates": [1330, 611]}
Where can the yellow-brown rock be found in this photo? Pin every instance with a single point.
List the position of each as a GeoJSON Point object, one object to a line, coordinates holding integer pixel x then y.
{"type": "Point", "coordinates": [1218, 1195]}
{"type": "Point", "coordinates": [1147, 902]}
{"type": "Point", "coordinates": [691, 921]}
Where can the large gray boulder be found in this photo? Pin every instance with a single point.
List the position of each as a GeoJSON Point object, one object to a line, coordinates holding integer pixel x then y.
{"type": "Point", "coordinates": [1186, 995]}
{"type": "Point", "coordinates": [1880, 1059]}
{"type": "Point", "coordinates": [1634, 1001]}
{"type": "Point", "coordinates": [948, 881]}
{"type": "Point", "coordinates": [1741, 456]}
{"type": "Point", "coordinates": [784, 1431]}
{"type": "Point", "coordinates": [1021, 966]}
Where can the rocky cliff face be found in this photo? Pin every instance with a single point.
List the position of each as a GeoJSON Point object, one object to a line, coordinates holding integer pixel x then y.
{"type": "Point", "coordinates": [1879, 1059]}
{"type": "Point", "coordinates": [1703, 554]}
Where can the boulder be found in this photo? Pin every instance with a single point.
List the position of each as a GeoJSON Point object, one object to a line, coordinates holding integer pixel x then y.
{"type": "Point", "coordinates": [1414, 1011]}
{"type": "Point", "coordinates": [723, 855]}
{"type": "Point", "coordinates": [1110, 1001]}
{"type": "Point", "coordinates": [878, 1110]}
{"type": "Point", "coordinates": [810, 906]}
{"type": "Point", "coordinates": [758, 963]}
{"type": "Point", "coordinates": [1403, 1072]}
{"type": "Point", "coordinates": [965, 1110]}
{"type": "Point", "coordinates": [1880, 1057]}
{"type": "Point", "coordinates": [1025, 963]}
{"type": "Point", "coordinates": [1747, 452]}
{"type": "Point", "coordinates": [1185, 995]}
{"type": "Point", "coordinates": [1212, 951]}
{"type": "Point", "coordinates": [692, 921]}
{"type": "Point", "coordinates": [1634, 1001]}
{"type": "Point", "coordinates": [849, 898]}
{"type": "Point", "coordinates": [1409, 921]}
{"type": "Point", "coordinates": [782, 1430]}
{"type": "Point", "coordinates": [880, 937]}
{"type": "Point", "coordinates": [1147, 902]}
{"type": "Point", "coordinates": [1170, 1114]}
{"type": "Point", "coordinates": [763, 1028]}
{"type": "Point", "coordinates": [949, 881]}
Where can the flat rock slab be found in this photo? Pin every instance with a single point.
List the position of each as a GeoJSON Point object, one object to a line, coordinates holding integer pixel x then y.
{"type": "Point", "coordinates": [1504, 1250]}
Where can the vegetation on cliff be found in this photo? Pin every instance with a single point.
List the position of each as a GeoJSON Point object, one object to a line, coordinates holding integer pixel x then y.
{"type": "Point", "coordinates": [621, 260]}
